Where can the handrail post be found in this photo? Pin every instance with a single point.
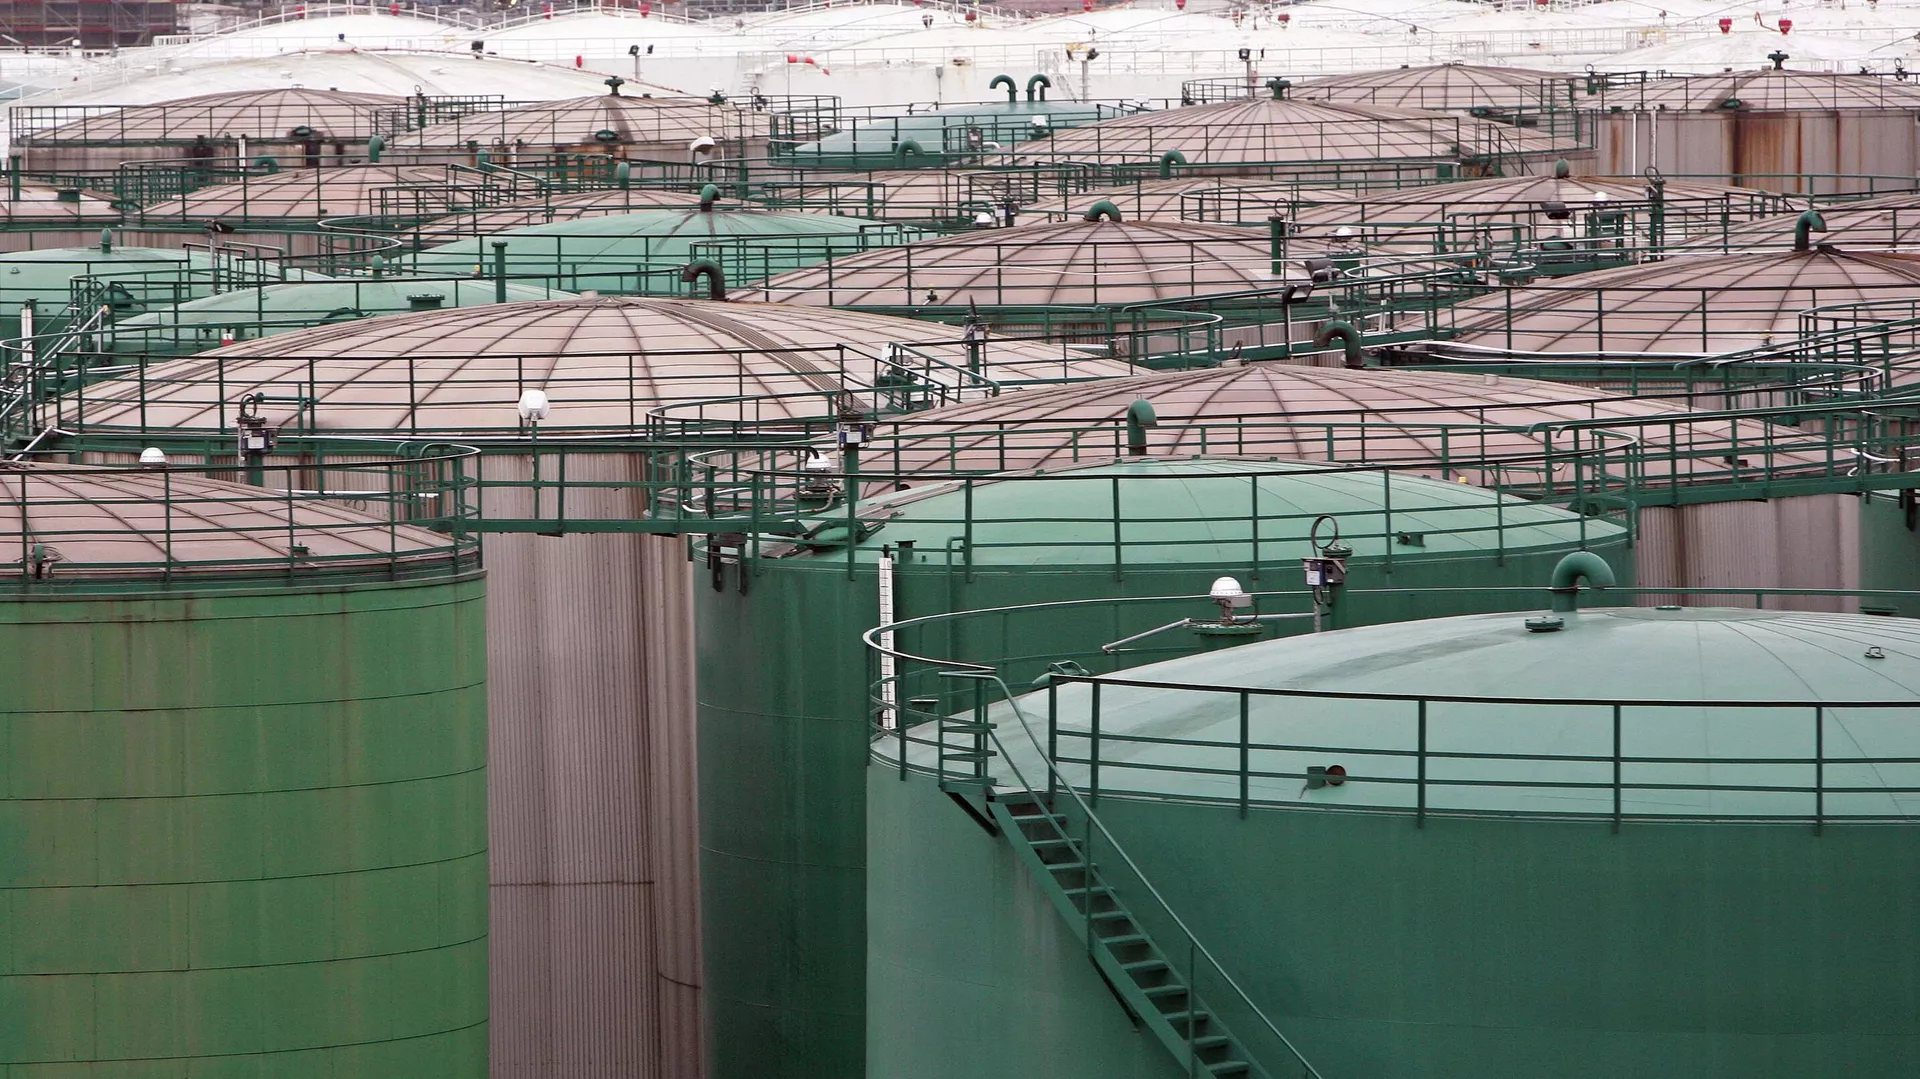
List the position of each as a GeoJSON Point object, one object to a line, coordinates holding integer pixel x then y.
{"type": "Point", "coordinates": [1420, 763]}
{"type": "Point", "coordinates": [1819, 768]}
{"type": "Point", "coordinates": [1244, 753]}
{"type": "Point", "coordinates": [1053, 740]}
{"type": "Point", "coordinates": [1093, 752]}
{"type": "Point", "coordinates": [1616, 769]}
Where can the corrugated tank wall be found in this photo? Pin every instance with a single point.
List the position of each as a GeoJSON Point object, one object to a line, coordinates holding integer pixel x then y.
{"type": "Point", "coordinates": [594, 877]}
{"type": "Point", "coordinates": [1807, 542]}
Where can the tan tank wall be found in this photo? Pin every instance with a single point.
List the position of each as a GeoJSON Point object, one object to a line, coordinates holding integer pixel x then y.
{"type": "Point", "coordinates": [1782, 151]}
{"type": "Point", "coordinates": [1806, 542]}
{"type": "Point", "coordinates": [596, 898]}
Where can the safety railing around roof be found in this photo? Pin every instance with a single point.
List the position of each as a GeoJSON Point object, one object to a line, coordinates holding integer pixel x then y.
{"type": "Point", "coordinates": [1409, 753]}
{"type": "Point", "coordinates": [1601, 464]}
{"type": "Point", "coordinates": [183, 123]}
{"type": "Point", "coordinates": [410, 510]}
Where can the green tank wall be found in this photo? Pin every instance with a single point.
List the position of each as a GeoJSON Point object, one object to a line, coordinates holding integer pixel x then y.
{"type": "Point", "coordinates": [244, 834]}
{"type": "Point", "coordinates": [965, 953]}
{"type": "Point", "coordinates": [783, 682]}
{"type": "Point", "coordinates": [1502, 948]}
{"type": "Point", "coordinates": [1889, 548]}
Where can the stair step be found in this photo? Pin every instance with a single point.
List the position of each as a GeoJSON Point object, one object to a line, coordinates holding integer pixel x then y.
{"type": "Point", "coordinates": [966, 755]}
{"type": "Point", "coordinates": [1230, 1067]}
{"type": "Point", "coordinates": [967, 728]}
{"type": "Point", "coordinates": [1065, 867]}
{"type": "Point", "coordinates": [1184, 1016]}
{"type": "Point", "coordinates": [1145, 966]}
{"type": "Point", "coordinates": [1124, 940]}
{"type": "Point", "coordinates": [1048, 844]}
{"type": "Point", "coordinates": [1170, 990]}
{"type": "Point", "coordinates": [1098, 889]}
{"type": "Point", "coordinates": [1209, 1041]}
{"type": "Point", "coordinates": [1111, 916]}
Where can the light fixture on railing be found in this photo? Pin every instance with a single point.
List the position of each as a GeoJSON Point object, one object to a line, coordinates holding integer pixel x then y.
{"type": "Point", "coordinates": [534, 406]}
{"type": "Point", "coordinates": [153, 457]}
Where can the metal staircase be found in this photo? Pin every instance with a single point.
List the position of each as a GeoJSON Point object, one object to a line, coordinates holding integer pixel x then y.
{"type": "Point", "coordinates": [1139, 971]}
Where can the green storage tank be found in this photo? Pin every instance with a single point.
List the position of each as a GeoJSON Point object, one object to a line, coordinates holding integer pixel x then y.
{"type": "Point", "coordinates": [644, 252]}
{"type": "Point", "coordinates": [783, 681]}
{"type": "Point", "coordinates": [943, 136]}
{"type": "Point", "coordinates": [242, 782]}
{"type": "Point", "coordinates": [1646, 841]}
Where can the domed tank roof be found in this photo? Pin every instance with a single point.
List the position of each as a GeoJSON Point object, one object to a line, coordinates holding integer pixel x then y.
{"type": "Point", "coordinates": [603, 362]}
{"type": "Point", "coordinates": [1196, 510]}
{"type": "Point", "coordinates": [600, 202]}
{"type": "Point", "coordinates": [1377, 415]}
{"type": "Point", "coordinates": [1762, 90]}
{"type": "Point", "coordinates": [1525, 721]}
{"type": "Point", "coordinates": [1685, 306]}
{"type": "Point", "coordinates": [1890, 221]}
{"type": "Point", "coordinates": [308, 194]}
{"type": "Point", "coordinates": [83, 524]}
{"type": "Point", "coordinates": [41, 204]}
{"type": "Point", "coordinates": [1523, 197]}
{"type": "Point", "coordinates": [253, 114]}
{"type": "Point", "coordinates": [1440, 86]}
{"type": "Point", "coordinates": [1263, 129]}
{"type": "Point", "coordinates": [609, 119]}
{"type": "Point", "coordinates": [936, 134]}
{"type": "Point", "coordinates": [276, 309]}
{"type": "Point", "coordinates": [1229, 200]}
{"type": "Point", "coordinates": [630, 246]}
{"type": "Point", "coordinates": [1071, 263]}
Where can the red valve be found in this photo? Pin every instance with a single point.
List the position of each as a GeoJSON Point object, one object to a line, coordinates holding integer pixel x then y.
{"type": "Point", "coordinates": [1726, 26]}
{"type": "Point", "coordinates": [1786, 25]}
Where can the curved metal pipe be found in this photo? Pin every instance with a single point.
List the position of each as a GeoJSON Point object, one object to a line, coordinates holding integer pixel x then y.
{"type": "Point", "coordinates": [268, 162]}
{"type": "Point", "coordinates": [707, 196]}
{"type": "Point", "coordinates": [1568, 573]}
{"type": "Point", "coordinates": [1349, 338]}
{"type": "Point", "coordinates": [376, 146]}
{"type": "Point", "coordinates": [623, 175]}
{"type": "Point", "coordinates": [1013, 92]}
{"type": "Point", "coordinates": [1140, 416]}
{"type": "Point", "coordinates": [1168, 160]}
{"type": "Point", "coordinates": [1809, 222]}
{"type": "Point", "coordinates": [1104, 208]}
{"type": "Point", "coordinates": [716, 279]}
{"type": "Point", "coordinates": [1562, 169]}
{"type": "Point", "coordinates": [906, 147]}
{"type": "Point", "coordinates": [1042, 83]}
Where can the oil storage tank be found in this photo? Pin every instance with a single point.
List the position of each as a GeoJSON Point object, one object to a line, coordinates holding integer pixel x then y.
{"type": "Point", "coordinates": [783, 683]}
{"type": "Point", "coordinates": [1584, 843]}
{"type": "Point", "coordinates": [243, 798]}
{"type": "Point", "coordinates": [594, 912]}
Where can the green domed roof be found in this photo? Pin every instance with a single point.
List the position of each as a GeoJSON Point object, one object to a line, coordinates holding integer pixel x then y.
{"type": "Point", "coordinates": [628, 246]}
{"type": "Point", "coordinates": [275, 309]}
{"type": "Point", "coordinates": [1203, 511]}
{"type": "Point", "coordinates": [1703, 707]}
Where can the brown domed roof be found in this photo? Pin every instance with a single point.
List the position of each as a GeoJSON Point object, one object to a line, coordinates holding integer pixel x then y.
{"type": "Point", "coordinates": [73, 522]}
{"type": "Point", "coordinates": [629, 117]}
{"type": "Point", "coordinates": [1690, 305]}
{"type": "Point", "coordinates": [1072, 263]}
{"type": "Point", "coordinates": [603, 363]}
{"type": "Point", "coordinates": [255, 114]}
{"type": "Point", "coordinates": [1440, 86]}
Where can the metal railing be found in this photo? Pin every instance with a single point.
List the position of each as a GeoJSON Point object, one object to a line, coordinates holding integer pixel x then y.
{"type": "Point", "coordinates": [1410, 753]}
{"type": "Point", "coordinates": [348, 510]}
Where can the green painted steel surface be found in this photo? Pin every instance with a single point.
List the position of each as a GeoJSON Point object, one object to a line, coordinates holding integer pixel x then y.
{"type": "Point", "coordinates": [783, 689]}
{"type": "Point", "coordinates": [199, 324]}
{"type": "Point", "coordinates": [964, 952]}
{"type": "Point", "coordinates": [1502, 948]}
{"type": "Point", "coordinates": [935, 138]}
{"type": "Point", "coordinates": [245, 833]}
{"type": "Point", "coordinates": [643, 252]}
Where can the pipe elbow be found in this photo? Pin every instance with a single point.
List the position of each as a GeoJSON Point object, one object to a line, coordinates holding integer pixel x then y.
{"type": "Point", "coordinates": [1808, 223]}
{"type": "Point", "coordinates": [1349, 338]}
{"type": "Point", "coordinates": [907, 148]}
{"type": "Point", "coordinates": [1571, 570]}
{"type": "Point", "coordinates": [1039, 84]}
{"type": "Point", "coordinates": [1102, 209]}
{"type": "Point", "coordinates": [709, 269]}
{"type": "Point", "coordinates": [708, 195]}
{"type": "Point", "coordinates": [1006, 81]}
{"type": "Point", "coordinates": [1168, 160]}
{"type": "Point", "coordinates": [1140, 416]}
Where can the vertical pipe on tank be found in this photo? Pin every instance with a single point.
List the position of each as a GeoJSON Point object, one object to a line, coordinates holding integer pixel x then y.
{"type": "Point", "coordinates": [13, 177]}
{"type": "Point", "coordinates": [499, 271]}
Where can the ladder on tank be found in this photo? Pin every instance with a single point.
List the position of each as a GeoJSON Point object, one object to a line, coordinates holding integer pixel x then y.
{"type": "Point", "coordinates": [1040, 825]}
{"type": "Point", "coordinates": [1139, 972]}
